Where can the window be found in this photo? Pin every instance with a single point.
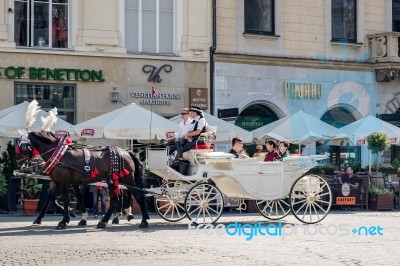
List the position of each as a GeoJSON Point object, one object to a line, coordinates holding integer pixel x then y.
{"type": "Point", "coordinates": [259, 17]}
{"type": "Point", "coordinates": [149, 26]}
{"type": "Point", "coordinates": [49, 96]}
{"type": "Point", "coordinates": [344, 17]}
{"type": "Point", "coordinates": [396, 15]}
{"type": "Point", "coordinates": [41, 23]}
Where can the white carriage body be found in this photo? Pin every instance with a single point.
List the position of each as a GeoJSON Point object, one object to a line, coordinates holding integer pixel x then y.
{"type": "Point", "coordinates": [248, 178]}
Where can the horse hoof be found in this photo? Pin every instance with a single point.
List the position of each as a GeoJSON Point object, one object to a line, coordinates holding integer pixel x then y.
{"type": "Point", "coordinates": [144, 224]}
{"type": "Point", "coordinates": [115, 221]}
{"type": "Point", "coordinates": [101, 225]}
{"type": "Point", "coordinates": [72, 213]}
{"type": "Point", "coordinates": [130, 217]}
{"type": "Point", "coordinates": [61, 226]}
{"type": "Point", "coordinates": [82, 223]}
{"type": "Point", "coordinates": [37, 222]}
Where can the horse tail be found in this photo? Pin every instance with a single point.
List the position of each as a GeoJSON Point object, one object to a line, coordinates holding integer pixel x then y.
{"type": "Point", "coordinates": [138, 170]}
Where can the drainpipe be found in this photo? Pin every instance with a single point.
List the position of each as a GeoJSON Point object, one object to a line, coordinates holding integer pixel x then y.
{"type": "Point", "coordinates": [212, 51]}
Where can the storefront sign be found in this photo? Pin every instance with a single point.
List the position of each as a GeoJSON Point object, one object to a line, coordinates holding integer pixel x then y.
{"type": "Point", "coordinates": [198, 97]}
{"type": "Point", "coordinates": [389, 117]}
{"type": "Point", "coordinates": [230, 112]}
{"type": "Point", "coordinates": [364, 141]}
{"type": "Point", "coordinates": [149, 98]}
{"type": "Point", "coordinates": [302, 90]}
{"type": "Point", "coordinates": [345, 200]}
{"type": "Point", "coordinates": [154, 72]}
{"type": "Point", "coordinates": [59, 74]}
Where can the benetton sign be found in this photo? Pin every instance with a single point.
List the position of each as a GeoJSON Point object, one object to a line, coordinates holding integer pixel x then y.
{"type": "Point", "coordinates": [59, 74]}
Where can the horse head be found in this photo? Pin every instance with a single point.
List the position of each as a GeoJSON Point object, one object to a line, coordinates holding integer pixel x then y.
{"type": "Point", "coordinates": [35, 143]}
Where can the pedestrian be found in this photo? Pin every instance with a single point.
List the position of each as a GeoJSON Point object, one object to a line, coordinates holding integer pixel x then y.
{"type": "Point", "coordinates": [102, 192]}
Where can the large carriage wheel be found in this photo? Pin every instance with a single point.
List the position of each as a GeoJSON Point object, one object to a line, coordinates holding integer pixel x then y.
{"type": "Point", "coordinates": [170, 206]}
{"type": "Point", "coordinates": [204, 204]}
{"type": "Point", "coordinates": [310, 199]}
{"type": "Point", "coordinates": [273, 209]}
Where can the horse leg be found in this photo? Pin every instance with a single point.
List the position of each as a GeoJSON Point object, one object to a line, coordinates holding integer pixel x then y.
{"type": "Point", "coordinates": [50, 198]}
{"type": "Point", "coordinates": [139, 197]}
{"type": "Point", "coordinates": [113, 202]}
{"type": "Point", "coordinates": [81, 204]}
{"type": "Point", "coordinates": [127, 199]}
{"type": "Point", "coordinates": [118, 209]}
{"type": "Point", "coordinates": [65, 220]}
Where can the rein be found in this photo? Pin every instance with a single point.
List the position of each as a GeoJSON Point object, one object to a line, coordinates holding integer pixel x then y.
{"type": "Point", "coordinates": [55, 158]}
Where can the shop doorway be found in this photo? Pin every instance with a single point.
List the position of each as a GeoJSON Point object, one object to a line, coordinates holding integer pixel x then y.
{"type": "Point", "coordinates": [339, 117]}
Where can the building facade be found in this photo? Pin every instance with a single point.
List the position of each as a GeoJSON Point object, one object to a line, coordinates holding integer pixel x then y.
{"type": "Point", "coordinates": [90, 57]}
{"type": "Point", "coordinates": [329, 58]}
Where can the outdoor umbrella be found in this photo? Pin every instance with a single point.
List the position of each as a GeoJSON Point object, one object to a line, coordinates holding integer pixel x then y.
{"type": "Point", "coordinates": [299, 128]}
{"type": "Point", "coordinates": [13, 119]}
{"type": "Point", "coordinates": [225, 131]}
{"type": "Point", "coordinates": [128, 122]}
{"type": "Point", "coordinates": [357, 132]}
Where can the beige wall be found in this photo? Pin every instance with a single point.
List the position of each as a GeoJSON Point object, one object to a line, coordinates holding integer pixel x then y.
{"type": "Point", "coordinates": [93, 98]}
{"type": "Point", "coordinates": [303, 29]}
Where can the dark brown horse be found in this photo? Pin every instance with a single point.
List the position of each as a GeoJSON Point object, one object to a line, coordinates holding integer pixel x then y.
{"type": "Point", "coordinates": [68, 165]}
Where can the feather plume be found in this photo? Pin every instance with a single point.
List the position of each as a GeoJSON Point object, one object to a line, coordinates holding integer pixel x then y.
{"type": "Point", "coordinates": [50, 120]}
{"type": "Point", "coordinates": [31, 113]}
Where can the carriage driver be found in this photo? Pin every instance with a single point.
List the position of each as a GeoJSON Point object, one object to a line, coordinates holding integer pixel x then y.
{"type": "Point", "coordinates": [198, 126]}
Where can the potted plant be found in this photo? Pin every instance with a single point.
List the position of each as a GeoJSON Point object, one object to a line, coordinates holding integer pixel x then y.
{"type": "Point", "coordinates": [8, 201]}
{"type": "Point", "coordinates": [380, 198]}
{"type": "Point", "coordinates": [3, 183]}
{"type": "Point", "coordinates": [377, 142]}
{"type": "Point", "coordinates": [31, 193]}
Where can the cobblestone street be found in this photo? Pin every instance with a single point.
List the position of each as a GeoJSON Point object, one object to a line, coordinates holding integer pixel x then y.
{"type": "Point", "coordinates": [330, 243]}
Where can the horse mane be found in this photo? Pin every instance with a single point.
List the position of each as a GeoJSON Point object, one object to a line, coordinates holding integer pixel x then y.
{"type": "Point", "coordinates": [46, 137]}
{"type": "Point", "coordinates": [31, 113]}
{"type": "Point", "coordinates": [50, 120]}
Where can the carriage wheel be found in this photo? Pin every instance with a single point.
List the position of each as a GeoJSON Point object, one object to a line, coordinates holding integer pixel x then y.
{"type": "Point", "coordinates": [170, 207]}
{"type": "Point", "coordinates": [273, 209]}
{"type": "Point", "coordinates": [310, 199]}
{"type": "Point", "coordinates": [204, 204]}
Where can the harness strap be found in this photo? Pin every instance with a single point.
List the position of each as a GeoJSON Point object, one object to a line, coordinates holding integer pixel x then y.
{"type": "Point", "coordinates": [87, 160]}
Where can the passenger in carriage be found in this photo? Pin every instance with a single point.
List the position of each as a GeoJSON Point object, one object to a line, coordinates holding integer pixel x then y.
{"type": "Point", "coordinates": [198, 126]}
{"type": "Point", "coordinates": [283, 150]}
{"type": "Point", "coordinates": [237, 148]}
{"type": "Point", "coordinates": [259, 152]}
{"type": "Point", "coordinates": [179, 136]}
{"type": "Point", "coordinates": [272, 154]}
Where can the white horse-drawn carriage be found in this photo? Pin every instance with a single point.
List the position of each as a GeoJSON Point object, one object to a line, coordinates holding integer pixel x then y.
{"type": "Point", "coordinates": [277, 187]}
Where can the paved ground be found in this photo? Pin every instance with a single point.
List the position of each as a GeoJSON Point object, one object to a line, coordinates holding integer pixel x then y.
{"type": "Point", "coordinates": [330, 243]}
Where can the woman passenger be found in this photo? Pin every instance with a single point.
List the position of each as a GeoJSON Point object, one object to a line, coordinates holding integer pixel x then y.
{"type": "Point", "coordinates": [283, 150]}
{"type": "Point", "coordinates": [272, 154]}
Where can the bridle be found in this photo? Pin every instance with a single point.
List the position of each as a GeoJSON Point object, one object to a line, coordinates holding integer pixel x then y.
{"type": "Point", "coordinates": [28, 151]}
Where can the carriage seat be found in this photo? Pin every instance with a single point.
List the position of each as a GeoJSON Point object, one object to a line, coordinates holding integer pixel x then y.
{"type": "Point", "coordinates": [195, 150]}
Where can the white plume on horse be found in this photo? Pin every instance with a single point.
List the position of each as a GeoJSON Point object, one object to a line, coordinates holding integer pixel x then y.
{"type": "Point", "coordinates": [50, 120]}
{"type": "Point", "coordinates": [31, 113]}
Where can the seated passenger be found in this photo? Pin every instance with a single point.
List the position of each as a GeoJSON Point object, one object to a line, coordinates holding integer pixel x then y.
{"type": "Point", "coordinates": [283, 150]}
{"type": "Point", "coordinates": [349, 178]}
{"type": "Point", "coordinates": [259, 152]}
{"type": "Point", "coordinates": [237, 148]}
{"type": "Point", "coordinates": [178, 137]}
{"type": "Point", "coordinates": [272, 154]}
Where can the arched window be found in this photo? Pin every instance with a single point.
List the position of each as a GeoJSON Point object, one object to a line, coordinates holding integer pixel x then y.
{"type": "Point", "coordinates": [338, 117]}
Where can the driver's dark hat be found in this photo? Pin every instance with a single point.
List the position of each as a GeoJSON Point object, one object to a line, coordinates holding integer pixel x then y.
{"type": "Point", "coordinates": [195, 109]}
